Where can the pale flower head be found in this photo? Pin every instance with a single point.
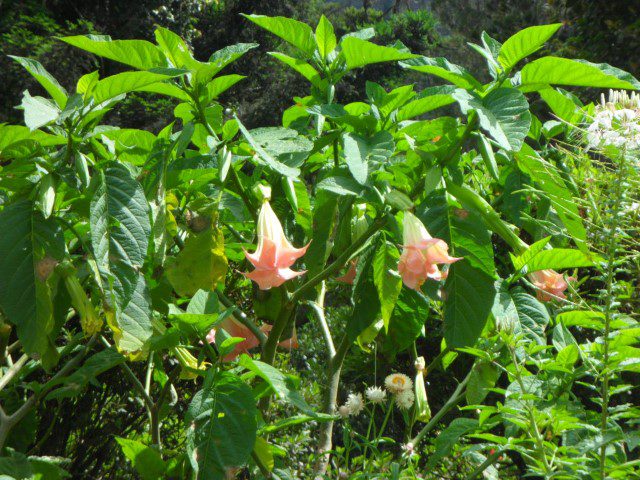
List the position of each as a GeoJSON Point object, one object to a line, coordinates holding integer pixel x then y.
{"type": "Point", "coordinates": [211, 336]}
{"type": "Point", "coordinates": [343, 411]}
{"type": "Point", "coordinates": [405, 399]}
{"type": "Point", "coordinates": [616, 122]}
{"type": "Point", "coordinates": [376, 394]}
{"type": "Point", "coordinates": [398, 382]}
{"type": "Point", "coordinates": [275, 255]}
{"type": "Point", "coordinates": [421, 254]}
{"type": "Point", "coordinates": [355, 403]}
{"type": "Point", "coordinates": [550, 284]}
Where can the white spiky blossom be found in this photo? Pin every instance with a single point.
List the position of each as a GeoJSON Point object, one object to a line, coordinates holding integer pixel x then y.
{"type": "Point", "coordinates": [376, 394]}
{"type": "Point", "coordinates": [354, 403]}
{"type": "Point", "coordinates": [405, 399]}
{"type": "Point", "coordinates": [616, 122]}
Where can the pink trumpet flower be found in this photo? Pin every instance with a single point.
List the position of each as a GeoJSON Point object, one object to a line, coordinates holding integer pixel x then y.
{"type": "Point", "coordinates": [275, 255]}
{"type": "Point", "coordinates": [350, 274]}
{"type": "Point", "coordinates": [421, 254]}
{"type": "Point", "coordinates": [236, 329]}
{"type": "Point", "coordinates": [550, 283]}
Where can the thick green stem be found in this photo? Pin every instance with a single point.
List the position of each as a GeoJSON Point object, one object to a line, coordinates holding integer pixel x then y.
{"type": "Point", "coordinates": [471, 199]}
{"type": "Point", "coordinates": [455, 397]}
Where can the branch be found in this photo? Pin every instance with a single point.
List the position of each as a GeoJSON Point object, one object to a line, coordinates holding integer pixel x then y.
{"type": "Point", "coordinates": [13, 371]}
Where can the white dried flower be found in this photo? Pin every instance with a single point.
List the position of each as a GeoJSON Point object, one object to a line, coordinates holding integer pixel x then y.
{"type": "Point", "coordinates": [398, 382]}
{"type": "Point", "coordinates": [343, 411]}
{"type": "Point", "coordinates": [376, 395]}
{"type": "Point", "coordinates": [355, 403]}
{"type": "Point", "coordinates": [405, 399]}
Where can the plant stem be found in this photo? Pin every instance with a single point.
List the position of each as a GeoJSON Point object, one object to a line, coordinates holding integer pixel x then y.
{"type": "Point", "coordinates": [455, 397]}
{"type": "Point", "coordinates": [491, 459]}
{"type": "Point", "coordinates": [318, 308]}
{"type": "Point", "coordinates": [341, 261]}
{"type": "Point", "coordinates": [611, 247]}
{"type": "Point", "coordinates": [13, 371]}
{"type": "Point", "coordinates": [329, 405]}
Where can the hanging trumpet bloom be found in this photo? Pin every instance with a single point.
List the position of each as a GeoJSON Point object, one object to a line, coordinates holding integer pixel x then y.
{"type": "Point", "coordinates": [350, 274]}
{"type": "Point", "coordinates": [550, 283]}
{"type": "Point", "coordinates": [421, 254]}
{"type": "Point", "coordinates": [236, 329]}
{"type": "Point", "coordinates": [275, 255]}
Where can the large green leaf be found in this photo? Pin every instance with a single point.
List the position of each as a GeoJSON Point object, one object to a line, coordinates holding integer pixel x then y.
{"type": "Point", "coordinates": [358, 53]}
{"type": "Point", "coordinates": [547, 177]}
{"type": "Point", "coordinates": [135, 53]}
{"type": "Point", "coordinates": [282, 385]}
{"type": "Point", "coordinates": [201, 264]}
{"type": "Point", "coordinates": [230, 54]}
{"type": "Point", "coordinates": [361, 153]}
{"type": "Point", "coordinates": [554, 259]}
{"type": "Point", "coordinates": [441, 67]}
{"type": "Point", "coordinates": [29, 247]}
{"type": "Point", "coordinates": [325, 37]}
{"type": "Point", "coordinates": [271, 162]}
{"type": "Point", "coordinates": [428, 99]}
{"type": "Point", "coordinates": [524, 43]}
{"type": "Point", "coordinates": [503, 113]}
{"type": "Point", "coordinates": [292, 31]}
{"type": "Point", "coordinates": [469, 292]}
{"type": "Point", "coordinates": [126, 82]}
{"type": "Point", "coordinates": [521, 314]}
{"type": "Point", "coordinates": [50, 84]}
{"type": "Point", "coordinates": [146, 460]}
{"type": "Point", "coordinates": [386, 279]}
{"type": "Point", "coordinates": [222, 426]}
{"type": "Point", "coordinates": [119, 218]}
{"type": "Point", "coordinates": [10, 135]}
{"type": "Point", "coordinates": [366, 303]}
{"type": "Point", "coordinates": [563, 71]}
{"type": "Point", "coordinates": [302, 67]}
{"type": "Point", "coordinates": [38, 111]}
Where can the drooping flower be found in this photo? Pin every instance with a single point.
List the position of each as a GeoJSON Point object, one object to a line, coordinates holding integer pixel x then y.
{"type": "Point", "coordinates": [275, 255]}
{"type": "Point", "coordinates": [421, 254]}
{"type": "Point", "coordinates": [236, 329]}
{"type": "Point", "coordinates": [350, 274]}
{"type": "Point", "coordinates": [376, 395]}
{"type": "Point", "coordinates": [398, 382]}
{"type": "Point", "coordinates": [423, 412]}
{"type": "Point", "coordinates": [550, 284]}
{"type": "Point", "coordinates": [405, 399]}
{"type": "Point", "coordinates": [354, 403]}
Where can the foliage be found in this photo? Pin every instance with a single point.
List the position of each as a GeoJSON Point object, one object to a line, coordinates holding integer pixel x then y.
{"type": "Point", "coordinates": [376, 235]}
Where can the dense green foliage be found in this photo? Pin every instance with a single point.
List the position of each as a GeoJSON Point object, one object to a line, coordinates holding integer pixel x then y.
{"type": "Point", "coordinates": [217, 260]}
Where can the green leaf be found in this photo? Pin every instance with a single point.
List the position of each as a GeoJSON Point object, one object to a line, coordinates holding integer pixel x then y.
{"type": "Point", "coordinates": [386, 279]}
{"type": "Point", "coordinates": [139, 54]}
{"type": "Point", "coordinates": [38, 111]}
{"type": "Point", "coordinates": [429, 99]}
{"type": "Point", "coordinates": [561, 103]}
{"type": "Point", "coordinates": [119, 218]}
{"type": "Point", "coordinates": [340, 185]}
{"type": "Point", "coordinates": [521, 314]}
{"type": "Point", "coordinates": [298, 34]}
{"type": "Point", "coordinates": [126, 82]}
{"type": "Point", "coordinates": [325, 37]}
{"type": "Point", "coordinates": [303, 68]}
{"type": "Point", "coordinates": [282, 385]}
{"type": "Point", "coordinates": [469, 291]}
{"type": "Point", "coordinates": [554, 259]}
{"type": "Point", "coordinates": [201, 264]}
{"type": "Point", "coordinates": [503, 113]}
{"type": "Point", "coordinates": [524, 43]}
{"type": "Point", "coordinates": [219, 85]}
{"type": "Point", "coordinates": [10, 135]}
{"type": "Point", "coordinates": [262, 450]}
{"type": "Point", "coordinates": [174, 47]}
{"type": "Point", "coordinates": [582, 318]}
{"type": "Point", "coordinates": [366, 303]}
{"type": "Point", "coordinates": [29, 247]}
{"type": "Point", "coordinates": [563, 71]}
{"type": "Point", "coordinates": [407, 321]}
{"type": "Point", "coordinates": [222, 426]}
{"type": "Point", "coordinates": [291, 421]}
{"type": "Point", "coordinates": [324, 218]}
{"type": "Point", "coordinates": [271, 162]}
{"type": "Point", "coordinates": [146, 460]}
{"type": "Point", "coordinates": [483, 378]}
{"type": "Point", "coordinates": [449, 437]}
{"type": "Point", "coordinates": [358, 53]}
{"type": "Point", "coordinates": [547, 177]}
{"type": "Point", "coordinates": [441, 67]}
{"type": "Point", "coordinates": [361, 153]}
{"type": "Point", "coordinates": [230, 54]}
{"type": "Point", "coordinates": [50, 84]}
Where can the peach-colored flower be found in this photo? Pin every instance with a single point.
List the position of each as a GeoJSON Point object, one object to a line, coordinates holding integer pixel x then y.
{"type": "Point", "coordinates": [236, 329]}
{"type": "Point", "coordinates": [275, 255]}
{"type": "Point", "coordinates": [350, 275]}
{"type": "Point", "coordinates": [550, 284]}
{"type": "Point", "coordinates": [421, 254]}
